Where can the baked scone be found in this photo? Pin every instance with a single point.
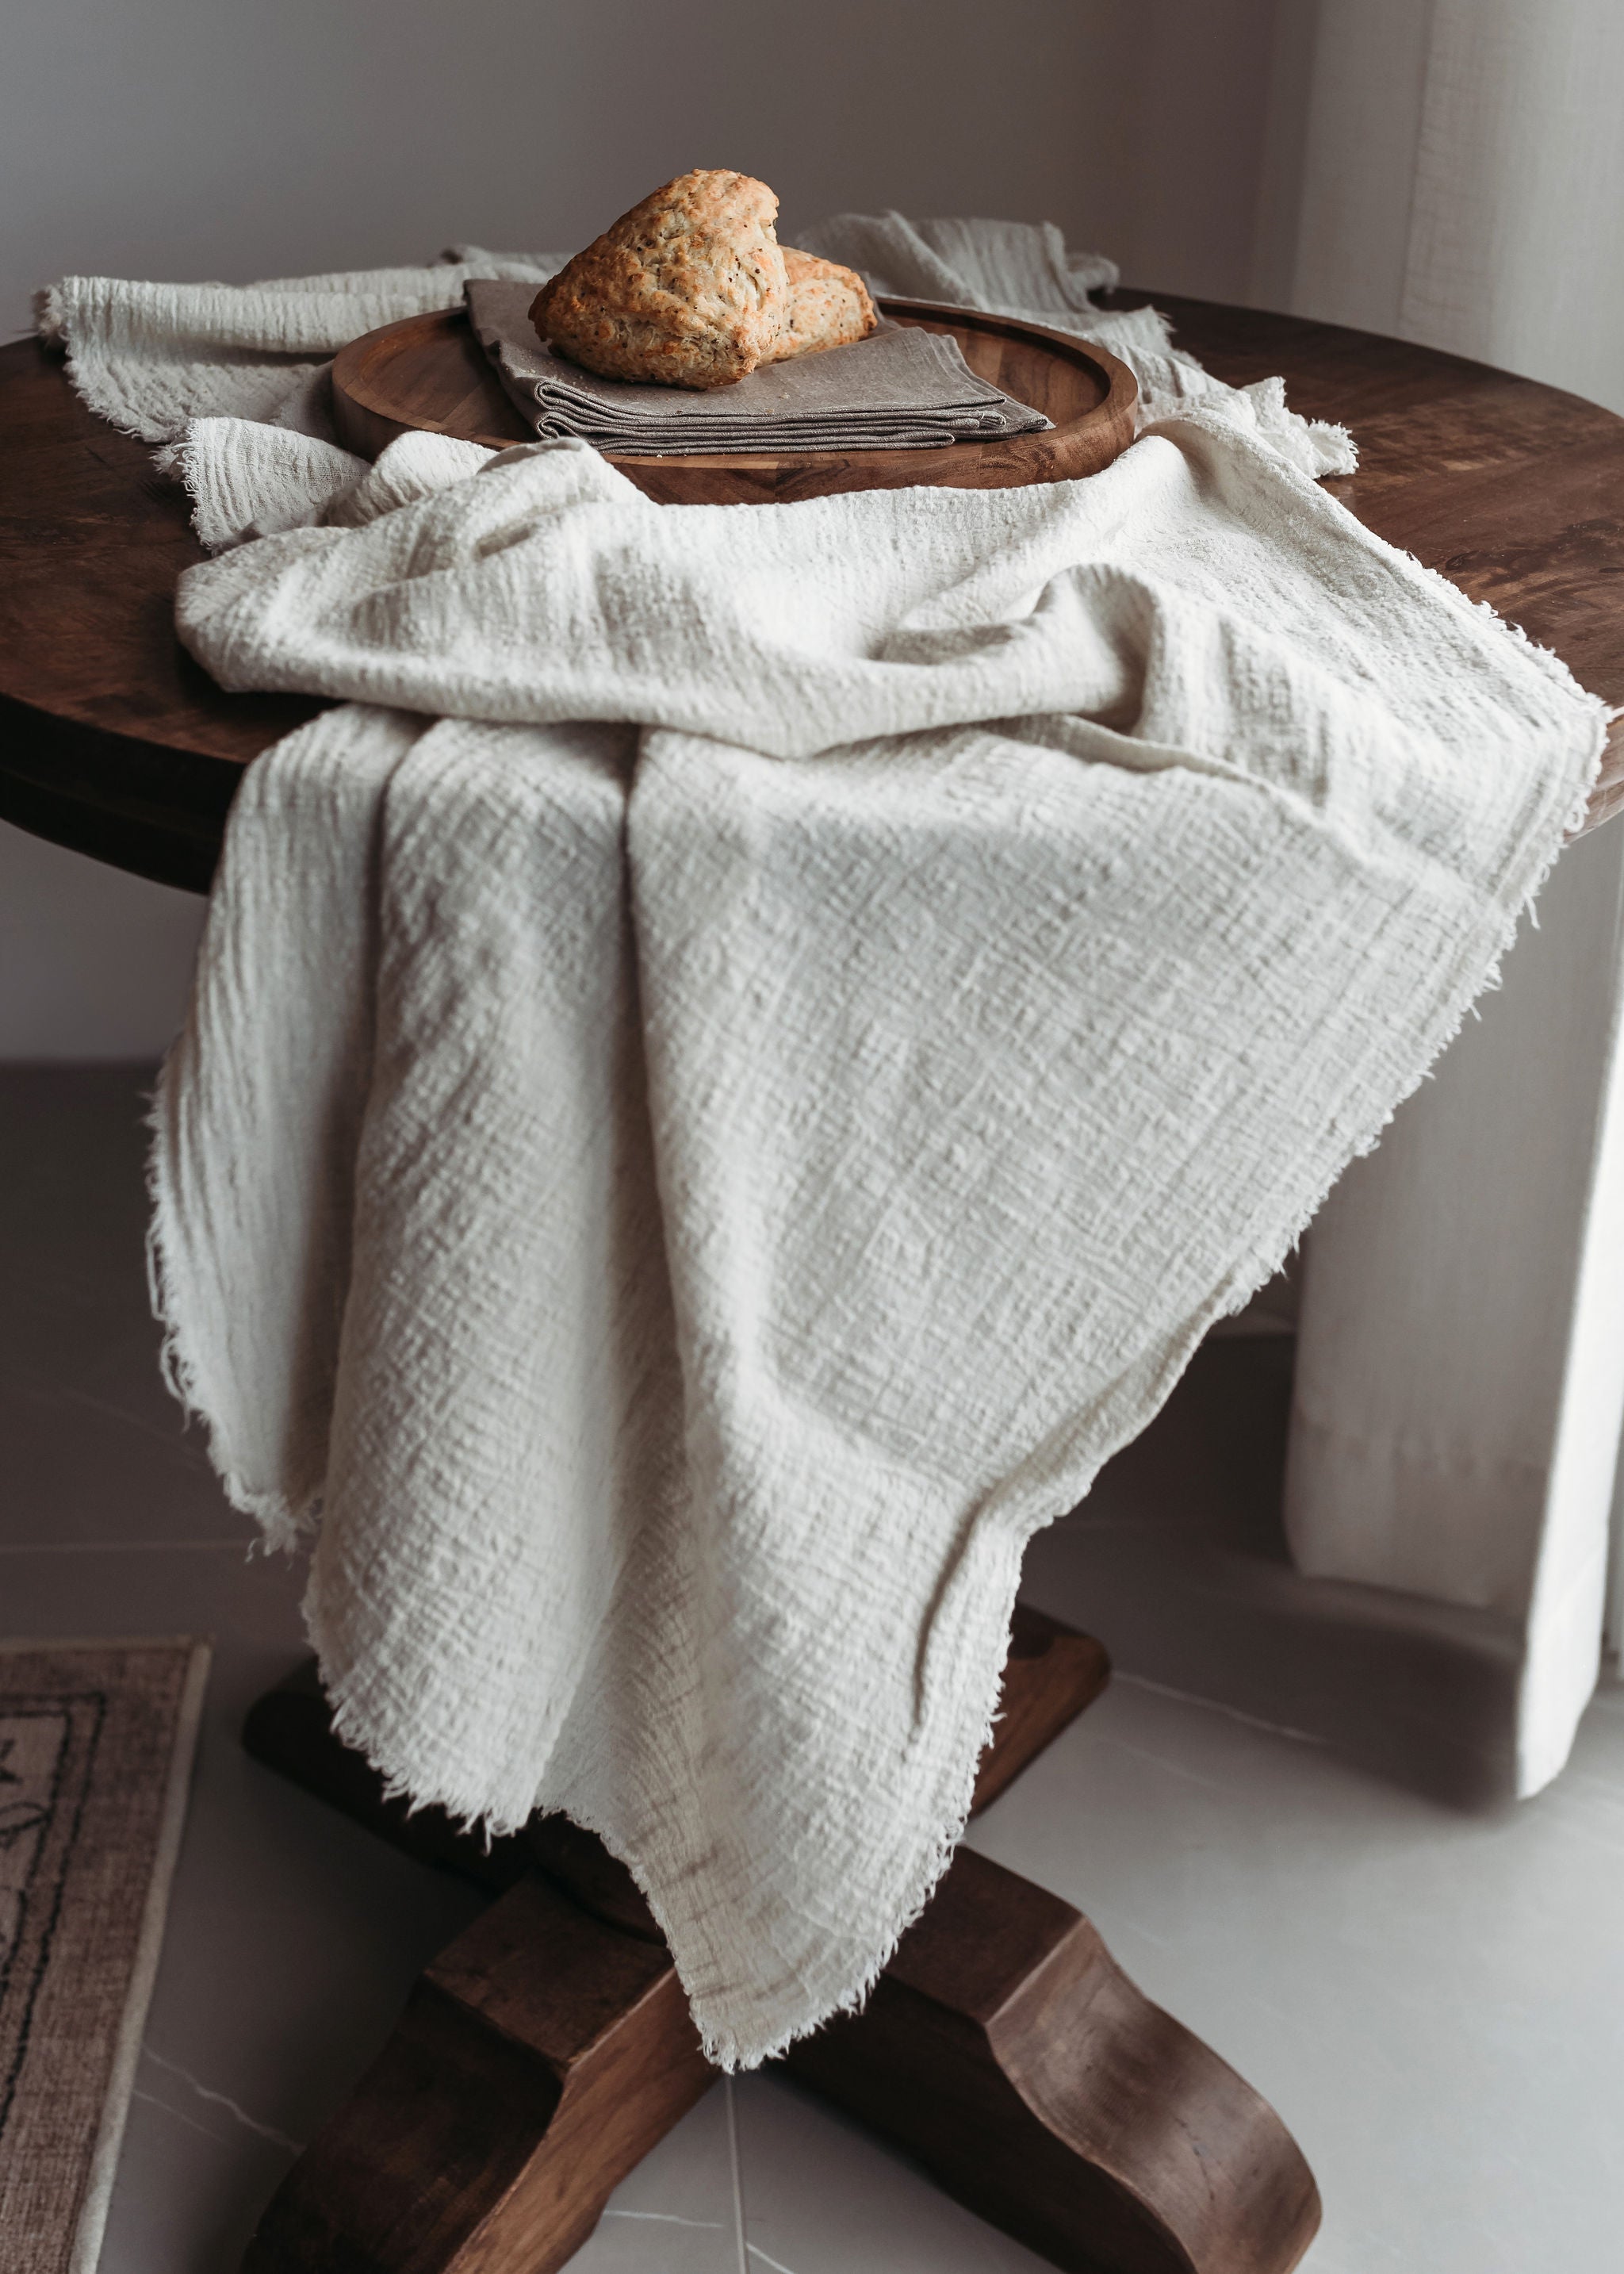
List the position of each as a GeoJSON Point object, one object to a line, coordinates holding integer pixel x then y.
{"type": "Point", "coordinates": [829, 306]}
{"type": "Point", "coordinates": [686, 289]}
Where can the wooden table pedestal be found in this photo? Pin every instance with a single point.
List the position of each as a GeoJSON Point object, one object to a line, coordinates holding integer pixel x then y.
{"type": "Point", "coordinates": [548, 2049]}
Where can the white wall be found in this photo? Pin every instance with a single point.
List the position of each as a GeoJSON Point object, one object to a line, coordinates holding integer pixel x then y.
{"type": "Point", "coordinates": [238, 138]}
{"type": "Point", "coordinates": [244, 137]}
{"type": "Point", "coordinates": [1441, 169]}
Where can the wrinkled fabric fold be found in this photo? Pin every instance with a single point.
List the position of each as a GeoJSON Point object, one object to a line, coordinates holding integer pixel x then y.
{"type": "Point", "coordinates": [735, 1069]}
{"type": "Point", "coordinates": [807, 1118]}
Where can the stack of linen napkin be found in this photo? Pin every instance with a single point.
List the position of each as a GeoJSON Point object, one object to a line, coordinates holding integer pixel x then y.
{"type": "Point", "coordinates": [903, 389]}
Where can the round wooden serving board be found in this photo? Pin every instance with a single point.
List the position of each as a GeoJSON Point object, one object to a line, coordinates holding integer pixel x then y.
{"type": "Point", "coordinates": [430, 373]}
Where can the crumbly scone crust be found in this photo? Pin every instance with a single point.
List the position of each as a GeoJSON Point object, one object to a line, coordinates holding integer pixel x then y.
{"type": "Point", "coordinates": [686, 289]}
{"type": "Point", "coordinates": [829, 306]}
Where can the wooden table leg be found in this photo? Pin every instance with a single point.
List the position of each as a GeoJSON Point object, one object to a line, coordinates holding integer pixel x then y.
{"type": "Point", "coordinates": [1005, 2048]}
{"type": "Point", "coordinates": [549, 2048]}
{"type": "Point", "coordinates": [539, 2058]}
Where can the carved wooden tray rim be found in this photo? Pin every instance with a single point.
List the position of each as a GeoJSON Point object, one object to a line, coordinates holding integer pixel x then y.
{"type": "Point", "coordinates": [428, 372]}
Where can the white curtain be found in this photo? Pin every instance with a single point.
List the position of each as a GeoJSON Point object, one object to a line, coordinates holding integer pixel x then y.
{"type": "Point", "coordinates": [1453, 173]}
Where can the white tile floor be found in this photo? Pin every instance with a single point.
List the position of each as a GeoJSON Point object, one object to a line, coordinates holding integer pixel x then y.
{"type": "Point", "coordinates": [1432, 1997]}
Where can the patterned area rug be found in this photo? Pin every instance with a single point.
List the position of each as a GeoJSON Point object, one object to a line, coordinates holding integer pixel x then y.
{"type": "Point", "coordinates": [96, 1742]}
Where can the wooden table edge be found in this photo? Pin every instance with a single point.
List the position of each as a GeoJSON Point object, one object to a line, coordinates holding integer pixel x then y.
{"type": "Point", "coordinates": [156, 808]}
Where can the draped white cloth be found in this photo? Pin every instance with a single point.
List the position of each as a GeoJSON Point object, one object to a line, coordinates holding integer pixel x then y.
{"type": "Point", "coordinates": [736, 1069]}
{"type": "Point", "coordinates": [1461, 1361]}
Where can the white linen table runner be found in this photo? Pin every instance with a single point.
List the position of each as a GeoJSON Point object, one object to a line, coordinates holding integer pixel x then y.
{"type": "Point", "coordinates": [734, 1071]}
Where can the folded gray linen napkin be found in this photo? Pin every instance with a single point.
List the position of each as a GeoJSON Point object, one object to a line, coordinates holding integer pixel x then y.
{"type": "Point", "coordinates": [902, 388]}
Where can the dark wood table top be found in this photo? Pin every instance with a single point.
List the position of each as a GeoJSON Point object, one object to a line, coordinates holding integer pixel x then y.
{"type": "Point", "coordinates": [114, 742]}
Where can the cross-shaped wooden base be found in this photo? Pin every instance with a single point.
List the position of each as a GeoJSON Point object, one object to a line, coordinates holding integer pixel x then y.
{"type": "Point", "coordinates": [548, 2049]}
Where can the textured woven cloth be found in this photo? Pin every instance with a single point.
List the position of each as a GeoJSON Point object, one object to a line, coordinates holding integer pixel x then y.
{"type": "Point", "coordinates": [735, 1071]}
{"type": "Point", "coordinates": [905, 388]}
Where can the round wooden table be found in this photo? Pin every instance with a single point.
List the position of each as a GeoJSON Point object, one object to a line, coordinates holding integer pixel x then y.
{"type": "Point", "coordinates": [113, 741]}
{"type": "Point", "coordinates": [550, 2047]}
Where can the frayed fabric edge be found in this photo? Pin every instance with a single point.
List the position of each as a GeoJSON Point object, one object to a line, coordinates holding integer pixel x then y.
{"type": "Point", "coordinates": [50, 319]}
{"type": "Point", "coordinates": [50, 323]}
{"type": "Point", "coordinates": [283, 1528]}
{"type": "Point", "coordinates": [177, 462]}
{"type": "Point", "coordinates": [355, 1726]}
{"type": "Point", "coordinates": [1339, 453]}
